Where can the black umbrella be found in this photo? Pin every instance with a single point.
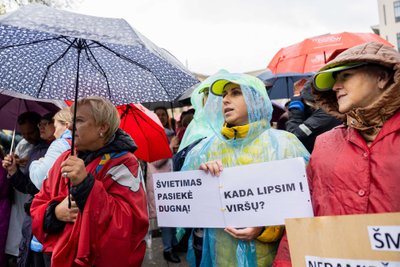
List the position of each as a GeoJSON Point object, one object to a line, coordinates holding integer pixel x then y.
{"type": "Point", "coordinates": [281, 85]}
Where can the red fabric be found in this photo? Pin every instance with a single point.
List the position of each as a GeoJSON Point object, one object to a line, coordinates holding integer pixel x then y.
{"type": "Point", "coordinates": [180, 132]}
{"type": "Point", "coordinates": [282, 258]}
{"type": "Point", "coordinates": [146, 130]}
{"type": "Point", "coordinates": [110, 231]}
{"type": "Point", "coordinates": [312, 53]}
{"type": "Point", "coordinates": [348, 177]}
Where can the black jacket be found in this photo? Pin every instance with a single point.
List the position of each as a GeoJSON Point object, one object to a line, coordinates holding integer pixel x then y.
{"type": "Point", "coordinates": [308, 124]}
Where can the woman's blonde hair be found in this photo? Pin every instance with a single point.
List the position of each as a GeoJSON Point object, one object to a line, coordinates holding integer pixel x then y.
{"type": "Point", "coordinates": [64, 116]}
{"type": "Point", "coordinates": [103, 112]}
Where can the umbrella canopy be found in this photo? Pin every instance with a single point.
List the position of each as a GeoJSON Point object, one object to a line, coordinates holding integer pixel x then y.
{"type": "Point", "coordinates": [53, 54]}
{"type": "Point", "coordinates": [13, 104]}
{"type": "Point", "coordinates": [146, 130]}
{"type": "Point", "coordinates": [312, 53]}
{"type": "Point", "coordinates": [281, 85]}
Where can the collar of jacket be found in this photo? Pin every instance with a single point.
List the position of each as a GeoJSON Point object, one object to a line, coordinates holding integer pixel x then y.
{"type": "Point", "coordinates": [369, 120]}
{"type": "Point", "coordinates": [391, 125]}
{"type": "Point", "coordinates": [242, 131]}
{"type": "Point", "coordinates": [121, 141]}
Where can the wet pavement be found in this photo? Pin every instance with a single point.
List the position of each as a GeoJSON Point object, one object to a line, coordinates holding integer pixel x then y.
{"type": "Point", "coordinates": [154, 256]}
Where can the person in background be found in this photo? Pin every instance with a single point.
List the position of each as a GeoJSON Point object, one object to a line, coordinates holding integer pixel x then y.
{"type": "Point", "coordinates": [194, 133]}
{"type": "Point", "coordinates": [14, 235]}
{"type": "Point", "coordinates": [305, 119]}
{"type": "Point", "coordinates": [61, 121]}
{"type": "Point", "coordinates": [56, 126]}
{"type": "Point", "coordinates": [354, 167]}
{"type": "Point", "coordinates": [46, 136]}
{"type": "Point", "coordinates": [197, 130]}
{"type": "Point", "coordinates": [239, 112]}
{"type": "Point", "coordinates": [281, 122]}
{"type": "Point", "coordinates": [5, 209]}
{"type": "Point", "coordinates": [185, 119]}
{"type": "Point", "coordinates": [199, 127]}
{"type": "Point", "coordinates": [173, 140]}
{"type": "Point", "coordinates": [106, 221]}
{"type": "Point", "coordinates": [162, 114]}
{"type": "Point", "coordinates": [32, 147]}
{"type": "Point", "coordinates": [168, 234]}
{"type": "Point", "coordinates": [173, 124]}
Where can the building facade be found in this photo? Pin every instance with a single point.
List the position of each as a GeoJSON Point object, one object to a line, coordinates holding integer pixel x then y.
{"type": "Point", "coordinates": [389, 21]}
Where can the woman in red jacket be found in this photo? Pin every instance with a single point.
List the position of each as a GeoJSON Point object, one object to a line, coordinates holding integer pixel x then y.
{"type": "Point", "coordinates": [354, 168]}
{"type": "Point", "coordinates": [107, 220]}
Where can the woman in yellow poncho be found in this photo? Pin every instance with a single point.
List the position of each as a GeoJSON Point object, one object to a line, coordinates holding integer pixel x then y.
{"type": "Point", "coordinates": [239, 112]}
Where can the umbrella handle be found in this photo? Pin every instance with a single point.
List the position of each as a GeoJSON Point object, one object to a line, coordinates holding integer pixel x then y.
{"type": "Point", "coordinates": [74, 117]}
{"type": "Point", "coordinates": [12, 142]}
{"type": "Point", "coordinates": [69, 194]}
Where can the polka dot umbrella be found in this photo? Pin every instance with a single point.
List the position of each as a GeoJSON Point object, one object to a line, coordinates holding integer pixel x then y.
{"type": "Point", "coordinates": [54, 54]}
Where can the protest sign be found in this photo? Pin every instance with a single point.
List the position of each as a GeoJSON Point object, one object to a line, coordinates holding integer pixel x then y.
{"type": "Point", "coordinates": [346, 241]}
{"type": "Point", "coordinates": [251, 195]}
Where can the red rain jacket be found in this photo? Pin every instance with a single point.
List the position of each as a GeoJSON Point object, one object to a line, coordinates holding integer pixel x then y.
{"type": "Point", "coordinates": [348, 177]}
{"type": "Point", "coordinates": [111, 230]}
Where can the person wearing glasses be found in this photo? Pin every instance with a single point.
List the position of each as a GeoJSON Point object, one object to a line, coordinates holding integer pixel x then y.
{"type": "Point", "coordinates": [354, 167]}
{"type": "Point", "coordinates": [17, 167]}
{"type": "Point", "coordinates": [53, 127]}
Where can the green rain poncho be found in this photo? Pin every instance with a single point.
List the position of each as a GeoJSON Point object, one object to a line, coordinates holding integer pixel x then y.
{"type": "Point", "coordinates": [262, 143]}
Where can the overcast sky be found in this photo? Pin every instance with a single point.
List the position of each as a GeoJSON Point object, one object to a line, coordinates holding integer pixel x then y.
{"type": "Point", "coordinates": [237, 35]}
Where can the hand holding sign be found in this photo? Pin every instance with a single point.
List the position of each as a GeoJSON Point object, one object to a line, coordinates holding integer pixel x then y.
{"type": "Point", "coordinates": [213, 167]}
{"type": "Point", "coordinates": [246, 234]}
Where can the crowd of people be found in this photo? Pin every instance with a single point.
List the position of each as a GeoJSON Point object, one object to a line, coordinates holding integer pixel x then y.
{"type": "Point", "coordinates": [88, 201]}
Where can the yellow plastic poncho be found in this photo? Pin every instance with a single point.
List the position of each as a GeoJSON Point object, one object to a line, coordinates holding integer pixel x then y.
{"type": "Point", "coordinates": [261, 143]}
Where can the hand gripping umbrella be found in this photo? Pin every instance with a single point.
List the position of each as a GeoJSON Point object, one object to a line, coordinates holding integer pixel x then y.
{"type": "Point", "coordinates": [53, 54]}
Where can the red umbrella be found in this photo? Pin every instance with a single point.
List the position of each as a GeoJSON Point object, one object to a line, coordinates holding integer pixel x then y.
{"type": "Point", "coordinates": [146, 130]}
{"type": "Point", "coordinates": [312, 53]}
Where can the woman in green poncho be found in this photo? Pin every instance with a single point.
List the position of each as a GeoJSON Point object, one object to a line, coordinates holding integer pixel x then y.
{"type": "Point", "coordinates": [239, 113]}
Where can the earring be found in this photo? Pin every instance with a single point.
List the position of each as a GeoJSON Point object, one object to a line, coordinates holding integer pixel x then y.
{"type": "Point", "coordinates": [101, 134]}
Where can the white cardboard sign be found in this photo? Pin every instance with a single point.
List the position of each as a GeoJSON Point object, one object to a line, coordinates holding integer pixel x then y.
{"type": "Point", "coordinates": [251, 195]}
